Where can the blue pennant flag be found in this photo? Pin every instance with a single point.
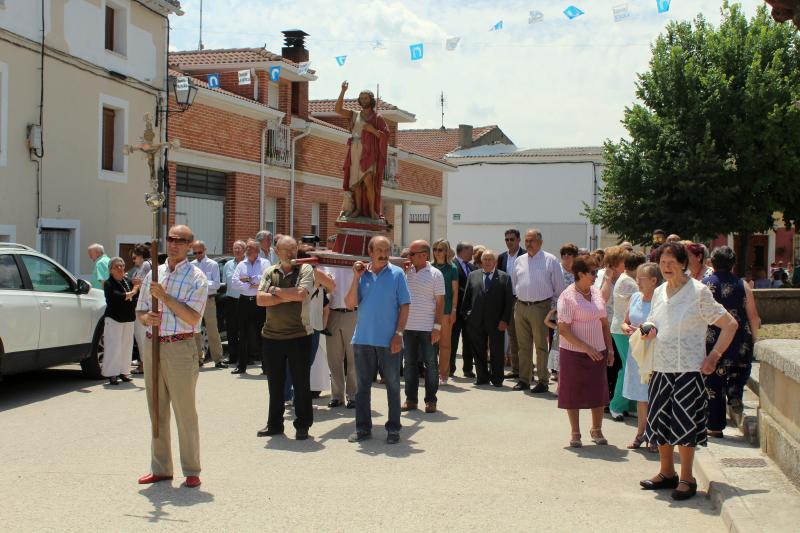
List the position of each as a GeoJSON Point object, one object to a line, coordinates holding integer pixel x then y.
{"type": "Point", "coordinates": [416, 51]}
{"type": "Point", "coordinates": [275, 73]}
{"type": "Point", "coordinates": [498, 26]}
{"type": "Point", "coordinates": [340, 60]}
{"type": "Point", "coordinates": [573, 12]}
{"type": "Point", "coordinates": [213, 81]}
{"type": "Point", "coordinates": [663, 5]}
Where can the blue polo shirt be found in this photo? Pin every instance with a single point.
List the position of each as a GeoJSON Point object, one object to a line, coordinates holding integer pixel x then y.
{"type": "Point", "coordinates": [379, 301]}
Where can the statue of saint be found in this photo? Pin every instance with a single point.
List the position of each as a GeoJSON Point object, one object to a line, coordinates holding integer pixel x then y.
{"type": "Point", "coordinates": [366, 156]}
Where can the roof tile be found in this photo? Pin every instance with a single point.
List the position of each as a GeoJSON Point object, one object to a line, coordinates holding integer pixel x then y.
{"type": "Point", "coordinates": [224, 56]}
{"type": "Point", "coordinates": [435, 143]}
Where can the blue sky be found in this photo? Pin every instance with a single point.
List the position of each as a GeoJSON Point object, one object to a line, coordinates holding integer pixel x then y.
{"type": "Point", "coordinates": [553, 83]}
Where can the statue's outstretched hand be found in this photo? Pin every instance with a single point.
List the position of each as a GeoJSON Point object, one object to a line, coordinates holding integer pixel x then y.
{"type": "Point", "coordinates": [345, 85]}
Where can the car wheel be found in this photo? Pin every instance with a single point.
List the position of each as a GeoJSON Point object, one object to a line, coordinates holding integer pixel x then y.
{"type": "Point", "coordinates": [92, 365]}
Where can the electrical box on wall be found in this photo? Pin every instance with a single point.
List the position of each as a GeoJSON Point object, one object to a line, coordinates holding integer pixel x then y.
{"type": "Point", "coordinates": [34, 137]}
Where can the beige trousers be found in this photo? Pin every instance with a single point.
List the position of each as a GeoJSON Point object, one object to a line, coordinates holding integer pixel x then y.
{"type": "Point", "coordinates": [178, 373]}
{"type": "Point", "coordinates": [214, 342]}
{"type": "Point", "coordinates": [339, 347]}
{"type": "Point", "coordinates": [531, 331]}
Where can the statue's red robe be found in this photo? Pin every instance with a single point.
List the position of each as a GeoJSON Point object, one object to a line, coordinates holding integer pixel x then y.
{"type": "Point", "coordinates": [373, 150]}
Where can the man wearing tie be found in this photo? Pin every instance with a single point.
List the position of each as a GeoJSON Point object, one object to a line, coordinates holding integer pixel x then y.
{"type": "Point", "coordinates": [505, 262]}
{"type": "Point", "coordinates": [487, 310]}
{"type": "Point", "coordinates": [464, 267]}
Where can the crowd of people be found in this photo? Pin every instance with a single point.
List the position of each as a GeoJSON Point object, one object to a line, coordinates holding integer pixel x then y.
{"type": "Point", "coordinates": [666, 336]}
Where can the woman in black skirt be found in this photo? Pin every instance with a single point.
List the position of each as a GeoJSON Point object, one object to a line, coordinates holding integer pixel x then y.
{"type": "Point", "coordinates": [681, 311]}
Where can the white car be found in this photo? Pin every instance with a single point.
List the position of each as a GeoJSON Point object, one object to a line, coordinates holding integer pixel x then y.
{"type": "Point", "coordinates": [47, 316]}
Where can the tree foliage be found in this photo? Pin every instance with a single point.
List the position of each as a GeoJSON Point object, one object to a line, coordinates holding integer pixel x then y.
{"type": "Point", "coordinates": [714, 143]}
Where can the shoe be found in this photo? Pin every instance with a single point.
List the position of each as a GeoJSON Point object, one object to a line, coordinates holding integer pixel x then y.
{"type": "Point", "coordinates": [228, 361]}
{"type": "Point", "coordinates": [358, 436]}
{"type": "Point", "coordinates": [716, 434]}
{"type": "Point", "coordinates": [511, 375]}
{"type": "Point", "coordinates": [443, 382]}
{"type": "Point", "coordinates": [192, 481]}
{"type": "Point", "coordinates": [126, 379]}
{"type": "Point", "coordinates": [521, 385]}
{"type": "Point", "coordinates": [615, 416]}
{"type": "Point", "coordinates": [301, 434]}
{"type": "Point", "coordinates": [334, 403]}
{"type": "Point", "coordinates": [408, 406]}
{"type": "Point", "coordinates": [393, 438]}
{"type": "Point", "coordinates": [540, 388]}
{"type": "Point", "coordinates": [663, 482]}
{"type": "Point", "coordinates": [469, 374]}
{"type": "Point", "coordinates": [269, 432]}
{"type": "Point", "coordinates": [152, 478]}
{"type": "Point", "coordinates": [351, 404]}
{"type": "Point", "coordinates": [597, 437]}
{"type": "Point", "coordinates": [498, 384]}
{"type": "Point", "coordinates": [684, 494]}
{"type": "Point", "coordinates": [113, 381]}
{"type": "Point", "coordinates": [220, 364]}
{"type": "Point", "coordinates": [239, 371]}
{"type": "Point", "coordinates": [575, 440]}
{"type": "Point", "coordinates": [481, 382]}
{"type": "Point", "coordinates": [430, 407]}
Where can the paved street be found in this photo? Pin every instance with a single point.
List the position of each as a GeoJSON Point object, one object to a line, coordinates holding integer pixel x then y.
{"type": "Point", "coordinates": [491, 460]}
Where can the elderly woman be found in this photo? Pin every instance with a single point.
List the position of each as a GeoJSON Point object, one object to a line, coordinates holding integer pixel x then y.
{"type": "Point", "coordinates": [648, 277]}
{"type": "Point", "coordinates": [680, 313]}
{"type": "Point", "coordinates": [698, 254]}
{"type": "Point", "coordinates": [441, 254]}
{"type": "Point", "coordinates": [585, 351]}
{"type": "Point", "coordinates": [733, 369]}
{"type": "Point", "coordinates": [119, 319]}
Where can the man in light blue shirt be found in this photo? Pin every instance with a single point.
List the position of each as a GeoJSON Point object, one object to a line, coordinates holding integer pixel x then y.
{"type": "Point", "coordinates": [100, 273]}
{"type": "Point", "coordinates": [380, 292]}
{"type": "Point", "coordinates": [231, 303]}
{"type": "Point", "coordinates": [210, 268]}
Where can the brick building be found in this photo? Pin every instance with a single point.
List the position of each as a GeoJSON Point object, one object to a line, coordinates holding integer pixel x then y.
{"type": "Point", "coordinates": [239, 136]}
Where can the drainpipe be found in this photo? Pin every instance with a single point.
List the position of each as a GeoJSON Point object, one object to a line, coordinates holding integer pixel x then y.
{"type": "Point", "coordinates": [306, 131]}
{"type": "Point", "coordinates": [261, 176]}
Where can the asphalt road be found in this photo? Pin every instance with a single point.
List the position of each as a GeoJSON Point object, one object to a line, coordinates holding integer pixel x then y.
{"type": "Point", "coordinates": [490, 460]}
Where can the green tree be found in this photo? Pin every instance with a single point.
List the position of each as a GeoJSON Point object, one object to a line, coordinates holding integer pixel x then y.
{"type": "Point", "coordinates": [714, 144]}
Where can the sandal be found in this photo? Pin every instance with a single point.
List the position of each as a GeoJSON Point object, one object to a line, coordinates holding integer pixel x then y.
{"type": "Point", "coordinates": [663, 482]}
{"type": "Point", "coordinates": [637, 442]}
{"type": "Point", "coordinates": [575, 440]}
{"type": "Point", "coordinates": [652, 447]}
{"type": "Point", "coordinates": [597, 437]}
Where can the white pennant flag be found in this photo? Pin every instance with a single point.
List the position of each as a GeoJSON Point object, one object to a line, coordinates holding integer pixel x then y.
{"type": "Point", "coordinates": [452, 43]}
{"type": "Point", "coordinates": [302, 68]}
{"type": "Point", "coordinates": [621, 12]}
{"type": "Point", "coordinates": [535, 16]}
{"type": "Point", "coordinates": [244, 77]}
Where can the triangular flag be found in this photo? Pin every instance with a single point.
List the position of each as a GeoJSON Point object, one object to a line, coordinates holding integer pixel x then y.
{"type": "Point", "coordinates": [302, 68]}
{"type": "Point", "coordinates": [417, 51]}
{"type": "Point", "coordinates": [572, 12]}
{"type": "Point", "coordinates": [275, 73]}
{"type": "Point", "coordinates": [452, 43]}
{"type": "Point", "coordinates": [535, 16]}
{"type": "Point", "coordinates": [340, 60]}
{"type": "Point", "coordinates": [621, 12]}
{"type": "Point", "coordinates": [498, 26]}
{"type": "Point", "coordinates": [663, 5]}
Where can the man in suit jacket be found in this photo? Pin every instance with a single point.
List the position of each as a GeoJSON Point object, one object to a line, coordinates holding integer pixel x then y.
{"type": "Point", "coordinates": [464, 267]}
{"type": "Point", "coordinates": [505, 262]}
{"type": "Point", "coordinates": [487, 312]}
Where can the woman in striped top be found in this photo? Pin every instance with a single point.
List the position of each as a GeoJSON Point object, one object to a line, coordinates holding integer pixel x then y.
{"type": "Point", "coordinates": [586, 351]}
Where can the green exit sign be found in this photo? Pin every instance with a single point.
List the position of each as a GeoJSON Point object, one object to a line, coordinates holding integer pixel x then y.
{"type": "Point", "coordinates": [456, 216]}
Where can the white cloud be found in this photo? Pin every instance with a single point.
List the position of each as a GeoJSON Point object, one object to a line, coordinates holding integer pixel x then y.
{"type": "Point", "coordinates": [555, 83]}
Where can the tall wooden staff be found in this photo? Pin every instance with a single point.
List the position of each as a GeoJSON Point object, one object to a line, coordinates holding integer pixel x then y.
{"type": "Point", "coordinates": [154, 200]}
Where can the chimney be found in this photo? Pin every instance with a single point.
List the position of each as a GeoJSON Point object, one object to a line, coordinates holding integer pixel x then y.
{"type": "Point", "coordinates": [464, 136]}
{"type": "Point", "coordinates": [294, 49]}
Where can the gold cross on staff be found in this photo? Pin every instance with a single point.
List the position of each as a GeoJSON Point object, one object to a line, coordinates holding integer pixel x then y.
{"type": "Point", "coordinates": [150, 149]}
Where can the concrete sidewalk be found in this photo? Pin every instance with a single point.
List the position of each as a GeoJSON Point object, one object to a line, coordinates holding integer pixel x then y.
{"type": "Point", "coordinates": [490, 460]}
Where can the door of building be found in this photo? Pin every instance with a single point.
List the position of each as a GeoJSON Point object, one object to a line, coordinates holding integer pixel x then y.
{"type": "Point", "coordinates": [200, 204]}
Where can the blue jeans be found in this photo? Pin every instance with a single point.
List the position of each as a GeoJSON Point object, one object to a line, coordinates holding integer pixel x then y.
{"type": "Point", "coordinates": [418, 346]}
{"type": "Point", "coordinates": [368, 358]}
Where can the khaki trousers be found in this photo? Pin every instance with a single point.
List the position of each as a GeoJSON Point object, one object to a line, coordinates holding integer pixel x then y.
{"type": "Point", "coordinates": [339, 347]}
{"type": "Point", "coordinates": [214, 342]}
{"type": "Point", "coordinates": [529, 322]}
{"type": "Point", "coordinates": [513, 345]}
{"type": "Point", "coordinates": [178, 373]}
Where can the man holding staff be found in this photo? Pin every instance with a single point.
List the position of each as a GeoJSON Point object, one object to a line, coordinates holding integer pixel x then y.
{"type": "Point", "coordinates": [182, 293]}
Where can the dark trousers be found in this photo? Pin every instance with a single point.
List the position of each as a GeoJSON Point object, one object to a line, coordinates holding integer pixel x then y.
{"type": "Point", "coordinates": [481, 337]}
{"type": "Point", "coordinates": [460, 332]}
{"type": "Point", "coordinates": [291, 353]}
{"type": "Point", "coordinates": [367, 359]}
{"type": "Point", "coordinates": [231, 311]}
{"type": "Point", "coordinates": [725, 387]}
{"type": "Point", "coordinates": [419, 348]}
{"type": "Point", "coordinates": [251, 320]}
{"type": "Point", "coordinates": [613, 371]}
{"type": "Point", "coordinates": [287, 389]}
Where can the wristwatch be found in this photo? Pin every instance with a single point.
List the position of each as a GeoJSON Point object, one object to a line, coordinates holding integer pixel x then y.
{"type": "Point", "coordinates": [398, 333]}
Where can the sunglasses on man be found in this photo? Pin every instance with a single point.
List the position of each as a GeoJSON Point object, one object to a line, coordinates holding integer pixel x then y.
{"type": "Point", "coordinates": [177, 240]}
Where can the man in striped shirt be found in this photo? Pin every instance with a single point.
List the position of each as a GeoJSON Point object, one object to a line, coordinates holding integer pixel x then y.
{"type": "Point", "coordinates": [426, 285]}
{"type": "Point", "coordinates": [182, 293]}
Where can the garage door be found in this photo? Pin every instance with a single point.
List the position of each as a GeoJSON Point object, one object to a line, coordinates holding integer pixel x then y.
{"type": "Point", "coordinates": [205, 217]}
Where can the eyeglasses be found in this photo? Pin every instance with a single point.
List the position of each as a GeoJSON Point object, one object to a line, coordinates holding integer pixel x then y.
{"type": "Point", "coordinates": [177, 240]}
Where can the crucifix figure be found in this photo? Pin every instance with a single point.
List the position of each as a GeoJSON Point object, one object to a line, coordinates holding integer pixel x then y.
{"type": "Point", "coordinates": [154, 200]}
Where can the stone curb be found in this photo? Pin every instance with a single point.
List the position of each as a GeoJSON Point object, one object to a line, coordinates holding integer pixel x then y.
{"type": "Point", "coordinates": [735, 514]}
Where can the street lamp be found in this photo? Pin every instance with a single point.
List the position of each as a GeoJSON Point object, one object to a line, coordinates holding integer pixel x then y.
{"type": "Point", "coordinates": [185, 92]}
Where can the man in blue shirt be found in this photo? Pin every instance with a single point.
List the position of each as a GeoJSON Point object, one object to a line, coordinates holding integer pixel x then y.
{"type": "Point", "coordinates": [380, 292]}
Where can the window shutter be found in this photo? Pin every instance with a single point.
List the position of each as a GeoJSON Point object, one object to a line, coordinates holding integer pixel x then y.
{"type": "Point", "coordinates": [108, 139]}
{"type": "Point", "coordinates": [109, 28]}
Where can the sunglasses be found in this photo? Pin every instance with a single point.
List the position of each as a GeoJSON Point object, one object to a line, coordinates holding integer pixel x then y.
{"type": "Point", "coordinates": [412, 254]}
{"type": "Point", "coordinates": [177, 240]}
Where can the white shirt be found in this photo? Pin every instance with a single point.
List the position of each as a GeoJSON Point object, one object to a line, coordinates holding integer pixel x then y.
{"type": "Point", "coordinates": [682, 322]}
{"type": "Point", "coordinates": [254, 271]}
{"type": "Point", "coordinates": [623, 290]}
{"type": "Point", "coordinates": [227, 278]}
{"type": "Point", "coordinates": [210, 268]}
{"type": "Point", "coordinates": [537, 278]}
{"type": "Point", "coordinates": [272, 257]}
{"type": "Point", "coordinates": [510, 262]}
{"type": "Point", "coordinates": [315, 309]}
{"type": "Point", "coordinates": [344, 278]}
{"type": "Point", "coordinates": [425, 285]}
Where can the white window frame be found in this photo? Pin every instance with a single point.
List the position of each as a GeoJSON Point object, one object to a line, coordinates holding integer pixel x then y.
{"type": "Point", "coordinates": [270, 213]}
{"type": "Point", "coordinates": [3, 114]}
{"type": "Point", "coordinates": [121, 18]}
{"type": "Point", "coordinates": [120, 139]}
{"type": "Point", "coordinates": [74, 225]}
{"type": "Point", "coordinates": [273, 95]}
{"type": "Point", "coordinates": [10, 230]}
{"type": "Point", "coordinates": [315, 225]}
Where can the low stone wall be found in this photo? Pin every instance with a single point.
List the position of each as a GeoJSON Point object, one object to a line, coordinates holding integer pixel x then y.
{"type": "Point", "coordinates": [778, 306]}
{"type": "Point", "coordinates": [779, 403]}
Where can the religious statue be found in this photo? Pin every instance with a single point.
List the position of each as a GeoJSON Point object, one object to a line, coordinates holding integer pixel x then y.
{"type": "Point", "coordinates": [366, 156]}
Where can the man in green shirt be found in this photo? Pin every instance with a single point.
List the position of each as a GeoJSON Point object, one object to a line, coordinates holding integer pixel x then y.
{"type": "Point", "coordinates": [98, 256]}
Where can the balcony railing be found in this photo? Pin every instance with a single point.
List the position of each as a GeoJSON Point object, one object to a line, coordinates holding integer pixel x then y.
{"type": "Point", "coordinates": [390, 172]}
{"type": "Point", "coordinates": [277, 152]}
